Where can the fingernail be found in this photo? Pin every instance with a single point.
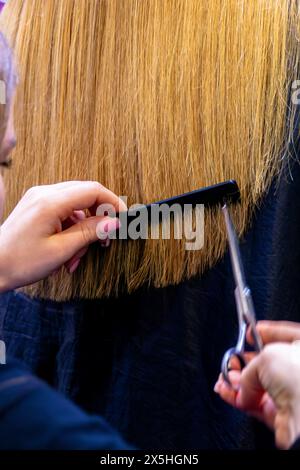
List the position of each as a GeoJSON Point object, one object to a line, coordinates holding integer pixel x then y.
{"type": "Point", "coordinates": [105, 243]}
{"type": "Point", "coordinates": [217, 386]}
{"type": "Point", "coordinates": [112, 225]}
{"type": "Point", "coordinates": [74, 266]}
{"type": "Point", "coordinates": [104, 228]}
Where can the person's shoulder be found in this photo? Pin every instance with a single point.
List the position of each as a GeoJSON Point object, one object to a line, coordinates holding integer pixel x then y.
{"type": "Point", "coordinates": [46, 419]}
{"type": "Point", "coordinates": [11, 368]}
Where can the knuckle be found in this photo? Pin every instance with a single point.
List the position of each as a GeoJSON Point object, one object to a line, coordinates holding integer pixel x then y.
{"type": "Point", "coordinates": [266, 352]}
{"type": "Point", "coordinates": [32, 192]}
{"type": "Point", "coordinates": [88, 234]}
{"type": "Point", "coordinates": [96, 185]}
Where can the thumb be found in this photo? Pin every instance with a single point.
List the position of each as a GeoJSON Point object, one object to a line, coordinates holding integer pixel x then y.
{"type": "Point", "coordinates": [82, 234]}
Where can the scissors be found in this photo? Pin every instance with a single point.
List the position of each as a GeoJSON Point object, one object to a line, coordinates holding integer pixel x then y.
{"type": "Point", "coordinates": [244, 304]}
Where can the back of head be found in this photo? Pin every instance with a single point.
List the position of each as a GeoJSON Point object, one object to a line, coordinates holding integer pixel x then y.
{"type": "Point", "coordinates": [151, 98]}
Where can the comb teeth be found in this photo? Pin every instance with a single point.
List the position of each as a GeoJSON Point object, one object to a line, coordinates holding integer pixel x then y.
{"type": "Point", "coordinates": [219, 194]}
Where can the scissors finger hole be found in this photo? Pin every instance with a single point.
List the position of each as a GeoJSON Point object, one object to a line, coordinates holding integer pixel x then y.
{"type": "Point", "coordinates": [231, 361]}
{"type": "Point", "coordinates": [235, 363]}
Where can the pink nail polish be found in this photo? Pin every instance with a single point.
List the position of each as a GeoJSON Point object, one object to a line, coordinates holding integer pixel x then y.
{"type": "Point", "coordinates": [112, 225]}
{"type": "Point", "coordinates": [74, 266]}
{"type": "Point", "coordinates": [105, 243]}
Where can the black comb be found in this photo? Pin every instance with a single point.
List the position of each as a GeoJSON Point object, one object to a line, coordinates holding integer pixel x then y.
{"type": "Point", "coordinates": [210, 196]}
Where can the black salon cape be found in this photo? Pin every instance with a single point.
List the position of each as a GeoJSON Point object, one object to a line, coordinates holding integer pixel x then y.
{"type": "Point", "coordinates": [147, 362]}
{"type": "Point", "coordinates": [296, 445]}
{"type": "Point", "coordinates": [34, 416]}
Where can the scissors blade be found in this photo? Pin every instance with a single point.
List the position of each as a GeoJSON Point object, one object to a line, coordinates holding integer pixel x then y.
{"type": "Point", "coordinates": [243, 295]}
{"type": "Point", "coordinates": [234, 250]}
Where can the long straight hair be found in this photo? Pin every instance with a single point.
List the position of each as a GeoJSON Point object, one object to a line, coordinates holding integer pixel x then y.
{"type": "Point", "coordinates": [152, 98]}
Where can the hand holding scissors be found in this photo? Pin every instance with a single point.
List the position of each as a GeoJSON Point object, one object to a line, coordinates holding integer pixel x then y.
{"type": "Point", "coordinates": [244, 304]}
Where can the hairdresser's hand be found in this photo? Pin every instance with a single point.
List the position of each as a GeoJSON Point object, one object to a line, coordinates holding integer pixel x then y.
{"type": "Point", "coordinates": [48, 229]}
{"type": "Point", "coordinates": [269, 386]}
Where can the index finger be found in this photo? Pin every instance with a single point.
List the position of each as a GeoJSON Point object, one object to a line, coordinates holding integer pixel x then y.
{"type": "Point", "coordinates": [276, 331]}
{"type": "Point", "coordinates": [251, 389]}
{"type": "Point", "coordinates": [227, 392]}
{"type": "Point", "coordinates": [84, 195]}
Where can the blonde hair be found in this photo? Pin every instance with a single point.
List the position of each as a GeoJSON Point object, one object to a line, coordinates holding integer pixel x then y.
{"type": "Point", "coordinates": [152, 98]}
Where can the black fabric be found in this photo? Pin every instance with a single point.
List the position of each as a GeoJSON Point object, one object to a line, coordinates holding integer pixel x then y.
{"type": "Point", "coordinates": [148, 362]}
{"type": "Point", "coordinates": [296, 445]}
{"type": "Point", "coordinates": [33, 416]}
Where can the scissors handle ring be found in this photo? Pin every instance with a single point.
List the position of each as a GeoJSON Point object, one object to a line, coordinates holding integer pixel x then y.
{"type": "Point", "coordinates": [225, 367]}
